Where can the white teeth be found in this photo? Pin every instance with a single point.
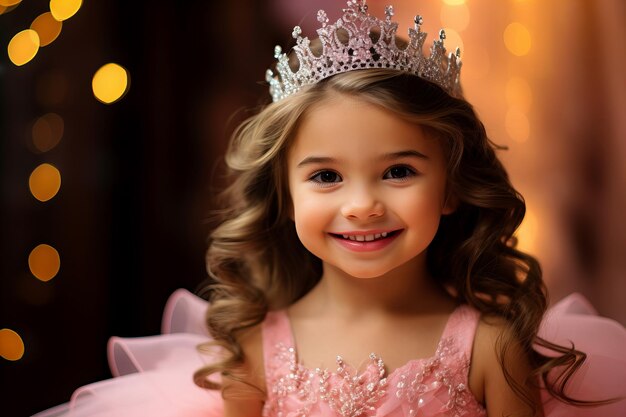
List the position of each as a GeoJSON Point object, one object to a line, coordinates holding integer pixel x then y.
{"type": "Point", "coordinates": [366, 238]}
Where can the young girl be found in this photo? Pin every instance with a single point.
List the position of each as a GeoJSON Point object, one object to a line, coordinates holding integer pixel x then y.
{"type": "Point", "coordinates": [369, 217]}
{"type": "Point", "coordinates": [365, 263]}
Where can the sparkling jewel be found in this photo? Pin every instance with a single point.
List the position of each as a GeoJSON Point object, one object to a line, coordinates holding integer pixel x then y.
{"type": "Point", "coordinates": [350, 393]}
{"type": "Point", "coordinates": [359, 51]}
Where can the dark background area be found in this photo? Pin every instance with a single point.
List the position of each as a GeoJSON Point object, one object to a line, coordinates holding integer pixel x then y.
{"type": "Point", "coordinates": [138, 176]}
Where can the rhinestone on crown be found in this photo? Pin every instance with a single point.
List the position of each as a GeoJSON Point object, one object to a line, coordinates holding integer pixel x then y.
{"type": "Point", "coordinates": [359, 51]}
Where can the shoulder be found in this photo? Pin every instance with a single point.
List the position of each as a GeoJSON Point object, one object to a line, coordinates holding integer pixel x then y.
{"type": "Point", "coordinates": [498, 362]}
{"type": "Point", "coordinates": [244, 389]}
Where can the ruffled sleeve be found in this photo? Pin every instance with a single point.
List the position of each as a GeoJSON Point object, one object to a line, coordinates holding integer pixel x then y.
{"type": "Point", "coordinates": [153, 375]}
{"type": "Point", "coordinates": [602, 376]}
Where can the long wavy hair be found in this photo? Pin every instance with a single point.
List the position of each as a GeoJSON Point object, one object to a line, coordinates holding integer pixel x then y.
{"type": "Point", "coordinates": [257, 263]}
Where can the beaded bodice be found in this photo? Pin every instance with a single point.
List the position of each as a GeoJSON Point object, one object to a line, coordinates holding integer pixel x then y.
{"type": "Point", "coordinates": [435, 386]}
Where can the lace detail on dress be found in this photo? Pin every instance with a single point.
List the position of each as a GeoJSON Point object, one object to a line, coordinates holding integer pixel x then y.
{"type": "Point", "coordinates": [355, 393]}
{"type": "Point", "coordinates": [297, 383]}
{"type": "Point", "coordinates": [447, 370]}
{"type": "Point", "coordinates": [435, 386]}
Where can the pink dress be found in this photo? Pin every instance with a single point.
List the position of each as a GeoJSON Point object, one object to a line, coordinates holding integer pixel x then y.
{"type": "Point", "coordinates": [153, 375]}
{"type": "Point", "coordinates": [434, 386]}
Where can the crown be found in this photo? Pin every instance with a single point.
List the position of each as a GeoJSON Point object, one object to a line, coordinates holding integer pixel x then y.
{"type": "Point", "coordinates": [361, 51]}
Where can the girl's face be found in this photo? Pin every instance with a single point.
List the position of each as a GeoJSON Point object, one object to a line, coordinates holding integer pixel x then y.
{"type": "Point", "coordinates": [367, 187]}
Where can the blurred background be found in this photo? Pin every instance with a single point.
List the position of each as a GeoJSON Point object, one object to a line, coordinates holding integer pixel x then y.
{"type": "Point", "coordinates": [114, 117]}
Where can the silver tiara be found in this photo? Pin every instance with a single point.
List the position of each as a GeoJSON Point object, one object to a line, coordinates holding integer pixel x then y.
{"type": "Point", "coordinates": [360, 51]}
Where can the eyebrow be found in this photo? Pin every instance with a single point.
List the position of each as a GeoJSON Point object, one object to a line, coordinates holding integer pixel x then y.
{"type": "Point", "coordinates": [411, 153]}
{"type": "Point", "coordinates": [386, 157]}
{"type": "Point", "coordinates": [316, 160]}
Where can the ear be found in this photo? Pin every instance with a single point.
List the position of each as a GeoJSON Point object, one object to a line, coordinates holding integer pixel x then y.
{"type": "Point", "coordinates": [450, 204]}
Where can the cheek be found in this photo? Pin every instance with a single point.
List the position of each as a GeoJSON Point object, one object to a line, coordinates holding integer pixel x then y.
{"type": "Point", "coordinates": [311, 215]}
{"type": "Point", "coordinates": [422, 209]}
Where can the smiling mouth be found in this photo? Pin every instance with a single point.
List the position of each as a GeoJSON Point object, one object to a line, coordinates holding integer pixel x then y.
{"type": "Point", "coordinates": [367, 238]}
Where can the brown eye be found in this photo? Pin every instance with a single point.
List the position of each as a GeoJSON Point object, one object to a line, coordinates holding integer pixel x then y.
{"type": "Point", "coordinates": [399, 172]}
{"type": "Point", "coordinates": [327, 177]}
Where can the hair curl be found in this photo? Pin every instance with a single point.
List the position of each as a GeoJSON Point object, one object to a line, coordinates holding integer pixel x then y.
{"type": "Point", "coordinates": [257, 262]}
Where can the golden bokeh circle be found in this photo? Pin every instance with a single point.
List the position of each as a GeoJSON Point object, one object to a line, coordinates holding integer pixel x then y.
{"type": "Point", "coordinates": [9, 3]}
{"type": "Point", "coordinates": [47, 131]}
{"type": "Point", "coordinates": [110, 83]}
{"type": "Point", "coordinates": [47, 27]}
{"type": "Point", "coordinates": [23, 47]}
{"type": "Point", "coordinates": [517, 39]}
{"type": "Point", "coordinates": [11, 345]}
{"type": "Point", "coordinates": [44, 182]}
{"type": "Point", "coordinates": [64, 9]}
{"type": "Point", "coordinates": [44, 262]}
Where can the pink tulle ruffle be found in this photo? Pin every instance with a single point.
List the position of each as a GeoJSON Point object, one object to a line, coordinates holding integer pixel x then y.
{"type": "Point", "coordinates": [153, 375]}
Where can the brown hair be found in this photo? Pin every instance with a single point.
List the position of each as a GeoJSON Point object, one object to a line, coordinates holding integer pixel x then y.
{"type": "Point", "coordinates": [257, 262]}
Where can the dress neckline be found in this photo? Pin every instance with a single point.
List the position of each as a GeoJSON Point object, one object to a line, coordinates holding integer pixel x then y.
{"type": "Point", "coordinates": [374, 359]}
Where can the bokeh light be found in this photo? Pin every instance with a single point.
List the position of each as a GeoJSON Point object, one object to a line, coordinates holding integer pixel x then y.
{"type": "Point", "coordinates": [453, 2]}
{"type": "Point", "coordinates": [517, 125]}
{"type": "Point", "coordinates": [11, 345]}
{"type": "Point", "coordinates": [47, 27]}
{"type": "Point", "coordinates": [9, 3]}
{"type": "Point", "coordinates": [23, 47]}
{"type": "Point", "coordinates": [517, 39]}
{"type": "Point", "coordinates": [519, 94]}
{"type": "Point", "coordinates": [7, 9]}
{"type": "Point", "coordinates": [44, 262]}
{"type": "Point", "coordinates": [110, 83]}
{"type": "Point", "coordinates": [44, 182]}
{"type": "Point", "coordinates": [457, 17]}
{"type": "Point", "coordinates": [47, 131]}
{"type": "Point", "coordinates": [64, 9]}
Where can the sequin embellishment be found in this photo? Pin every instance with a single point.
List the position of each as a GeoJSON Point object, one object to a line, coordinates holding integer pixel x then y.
{"type": "Point", "coordinates": [435, 386]}
{"type": "Point", "coordinates": [354, 394]}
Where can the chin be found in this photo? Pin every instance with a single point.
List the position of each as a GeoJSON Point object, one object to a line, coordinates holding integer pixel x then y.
{"type": "Point", "coordinates": [364, 273]}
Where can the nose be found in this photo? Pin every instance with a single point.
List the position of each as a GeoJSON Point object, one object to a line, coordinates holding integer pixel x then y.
{"type": "Point", "coordinates": [362, 204]}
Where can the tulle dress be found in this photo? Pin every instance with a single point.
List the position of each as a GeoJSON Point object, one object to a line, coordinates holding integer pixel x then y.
{"type": "Point", "coordinates": [152, 375]}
